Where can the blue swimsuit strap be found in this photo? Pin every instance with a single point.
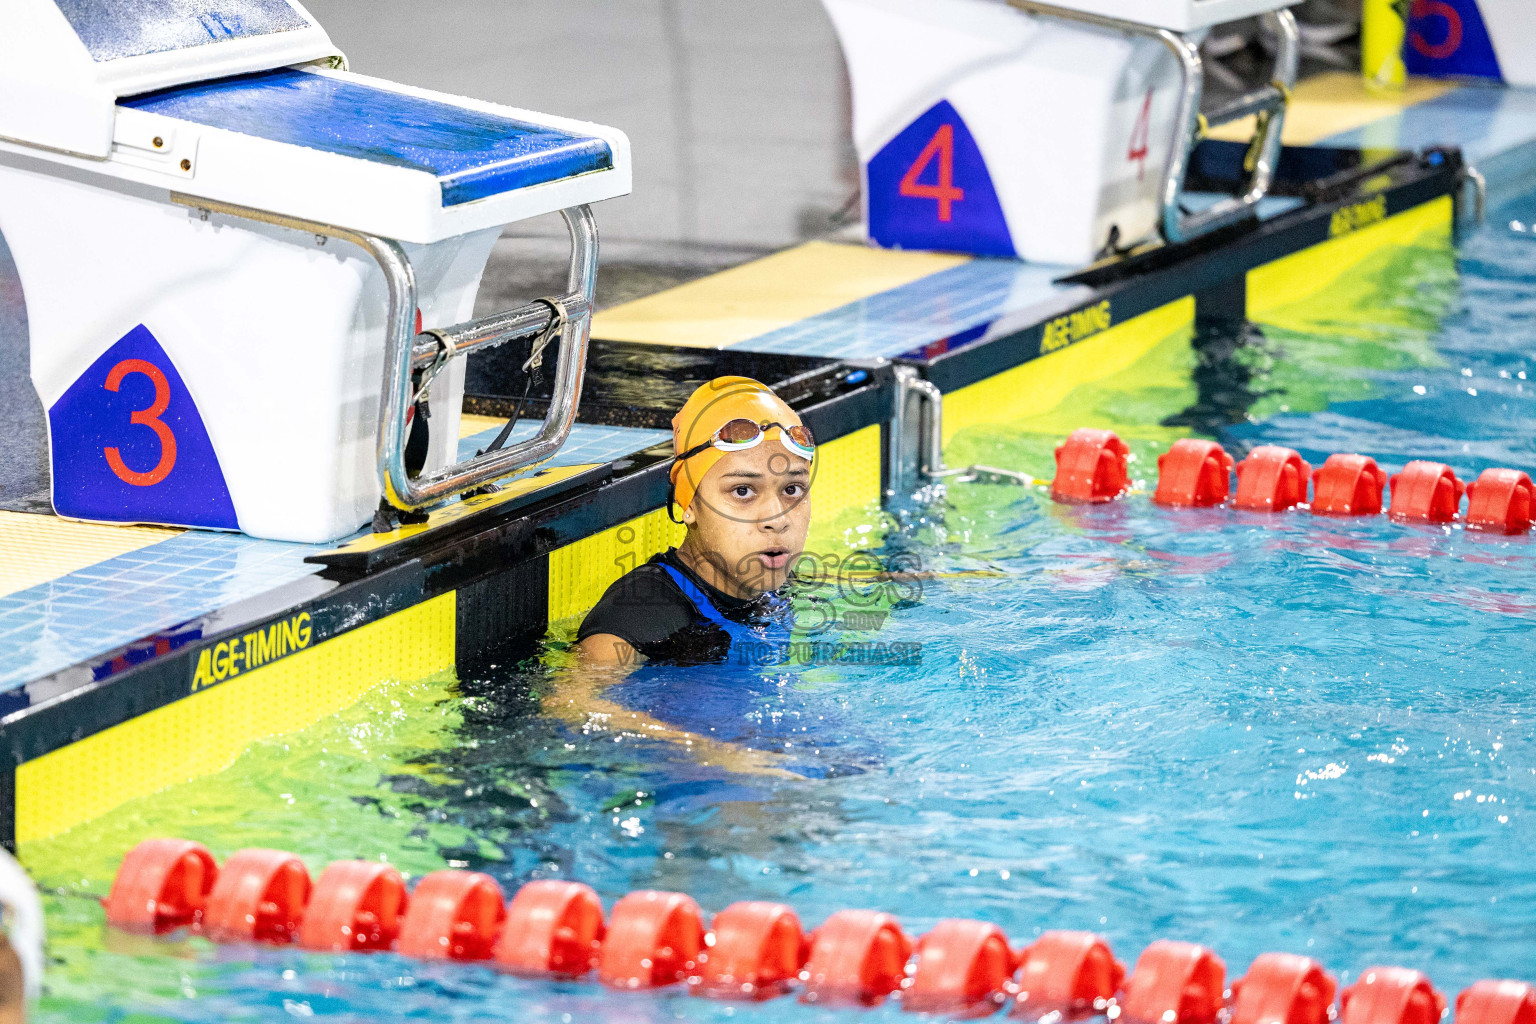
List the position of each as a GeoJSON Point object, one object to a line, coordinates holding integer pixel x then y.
{"type": "Point", "coordinates": [700, 601]}
{"type": "Point", "coordinates": [706, 608]}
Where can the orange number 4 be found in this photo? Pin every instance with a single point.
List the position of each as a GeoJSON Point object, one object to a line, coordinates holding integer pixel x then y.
{"type": "Point", "coordinates": [149, 417]}
{"type": "Point", "coordinates": [940, 148]}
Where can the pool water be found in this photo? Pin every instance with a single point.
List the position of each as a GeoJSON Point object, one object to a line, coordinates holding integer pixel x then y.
{"type": "Point", "coordinates": [1255, 732]}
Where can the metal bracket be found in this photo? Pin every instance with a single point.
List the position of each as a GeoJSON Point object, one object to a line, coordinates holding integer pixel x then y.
{"type": "Point", "coordinates": [1479, 192]}
{"type": "Point", "coordinates": [916, 450]}
{"type": "Point", "coordinates": [405, 351]}
{"type": "Point", "coordinates": [1267, 105]}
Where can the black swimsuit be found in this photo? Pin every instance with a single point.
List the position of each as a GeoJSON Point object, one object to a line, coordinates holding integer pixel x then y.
{"type": "Point", "coordinates": [648, 609]}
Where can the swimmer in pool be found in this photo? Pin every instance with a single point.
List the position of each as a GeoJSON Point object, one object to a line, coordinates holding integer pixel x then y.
{"type": "Point", "coordinates": [741, 483]}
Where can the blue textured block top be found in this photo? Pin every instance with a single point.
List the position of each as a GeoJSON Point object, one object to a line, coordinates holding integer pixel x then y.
{"type": "Point", "coordinates": [473, 154]}
{"type": "Point", "coordinates": [112, 29]}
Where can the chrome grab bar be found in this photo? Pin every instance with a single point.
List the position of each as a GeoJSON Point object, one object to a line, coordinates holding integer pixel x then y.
{"type": "Point", "coordinates": [514, 324]}
{"type": "Point", "coordinates": [405, 350]}
{"type": "Point", "coordinates": [916, 450]}
{"type": "Point", "coordinates": [1268, 104]}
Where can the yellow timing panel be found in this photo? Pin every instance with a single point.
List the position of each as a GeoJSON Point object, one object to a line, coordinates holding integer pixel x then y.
{"type": "Point", "coordinates": [581, 571]}
{"type": "Point", "coordinates": [1070, 328]}
{"type": "Point", "coordinates": [1357, 231]}
{"type": "Point", "coordinates": [204, 733]}
{"type": "Point", "coordinates": [1041, 384]}
{"type": "Point", "coordinates": [847, 474]}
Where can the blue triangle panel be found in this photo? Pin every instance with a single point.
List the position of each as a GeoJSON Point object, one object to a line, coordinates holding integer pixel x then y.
{"type": "Point", "coordinates": [136, 451]}
{"type": "Point", "coordinates": [904, 212]}
{"type": "Point", "coordinates": [1448, 37]}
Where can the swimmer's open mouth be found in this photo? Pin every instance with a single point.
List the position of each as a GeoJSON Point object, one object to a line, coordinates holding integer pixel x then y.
{"type": "Point", "coordinates": [774, 558]}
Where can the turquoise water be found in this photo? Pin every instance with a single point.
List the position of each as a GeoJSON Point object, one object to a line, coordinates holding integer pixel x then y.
{"type": "Point", "coordinates": [1254, 732]}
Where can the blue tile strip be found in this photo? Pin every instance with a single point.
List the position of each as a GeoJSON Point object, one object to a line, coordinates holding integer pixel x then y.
{"type": "Point", "coordinates": [958, 304]}
{"type": "Point", "coordinates": [104, 606]}
{"type": "Point", "coordinates": [1270, 207]}
{"type": "Point", "coordinates": [1483, 120]}
{"type": "Point", "coordinates": [588, 442]}
{"type": "Point", "coordinates": [932, 308]}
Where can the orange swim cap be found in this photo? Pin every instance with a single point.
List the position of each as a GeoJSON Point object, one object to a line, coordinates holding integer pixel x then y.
{"type": "Point", "coordinates": [711, 406]}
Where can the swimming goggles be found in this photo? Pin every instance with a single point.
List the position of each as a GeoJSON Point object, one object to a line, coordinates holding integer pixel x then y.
{"type": "Point", "coordinates": [740, 434]}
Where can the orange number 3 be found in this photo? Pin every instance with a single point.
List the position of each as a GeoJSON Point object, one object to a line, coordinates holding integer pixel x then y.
{"type": "Point", "coordinates": [149, 417]}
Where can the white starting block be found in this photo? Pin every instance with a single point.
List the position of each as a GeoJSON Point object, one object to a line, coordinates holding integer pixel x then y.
{"type": "Point", "coordinates": [1057, 133]}
{"type": "Point", "coordinates": [226, 247]}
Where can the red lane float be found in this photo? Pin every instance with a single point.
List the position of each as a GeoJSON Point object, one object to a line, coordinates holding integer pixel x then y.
{"type": "Point", "coordinates": [1500, 500]}
{"type": "Point", "coordinates": [962, 968]}
{"type": "Point", "coordinates": [654, 939]}
{"type": "Point", "coordinates": [1070, 973]}
{"type": "Point", "coordinates": [1497, 1002]}
{"type": "Point", "coordinates": [161, 884]}
{"type": "Point", "coordinates": [1348, 485]}
{"type": "Point", "coordinates": [552, 928]}
{"type": "Point", "coordinates": [1091, 467]}
{"type": "Point", "coordinates": [1283, 988]}
{"type": "Point", "coordinates": [1271, 479]}
{"type": "Point", "coordinates": [857, 956]}
{"type": "Point", "coordinates": [1391, 995]}
{"type": "Point", "coordinates": [754, 951]}
{"type": "Point", "coordinates": [1193, 474]}
{"type": "Point", "coordinates": [356, 905]}
{"type": "Point", "coordinates": [453, 915]}
{"type": "Point", "coordinates": [1174, 983]}
{"type": "Point", "coordinates": [1427, 491]}
{"type": "Point", "coordinates": [259, 897]}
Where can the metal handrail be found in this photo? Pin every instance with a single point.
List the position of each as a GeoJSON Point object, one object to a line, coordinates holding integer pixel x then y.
{"type": "Point", "coordinates": [514, 324]}
{"type": "Point", "coordinates": [1479, 191]}
{"type": "Point", "coordinates": [1268, 104]}
{"type": "Point", "coordinates": [926, 455]}
{"type": "Point", "coordinates": [1260, 101]}
{"type": "Point", "coordinates": [405, 350]}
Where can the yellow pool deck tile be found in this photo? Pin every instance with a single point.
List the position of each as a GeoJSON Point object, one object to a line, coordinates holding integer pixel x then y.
{"type": "Point", "coordinates": [37, 548]}
{"type": "Point", "coordinates": [1335, 102]}
{"type": "Point", "coordinates": [471, 424]}
{"type": "Point", "coordinates": [766, 295]}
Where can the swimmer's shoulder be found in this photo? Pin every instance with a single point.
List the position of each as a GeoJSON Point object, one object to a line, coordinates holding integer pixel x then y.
{"type": "Point", "coordinates": [642, 607]}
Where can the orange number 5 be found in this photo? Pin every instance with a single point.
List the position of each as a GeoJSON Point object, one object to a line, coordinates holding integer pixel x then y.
{"type": "Point", "coordinates": [145, 418]}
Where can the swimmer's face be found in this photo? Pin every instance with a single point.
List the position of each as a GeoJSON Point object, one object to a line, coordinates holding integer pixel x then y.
{"type": "Point", "coordinates": [750, 516]}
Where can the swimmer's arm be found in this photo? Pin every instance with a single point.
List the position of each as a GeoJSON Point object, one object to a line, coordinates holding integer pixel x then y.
{"type": "Point", "coordinates": [578, 700]}
{"type": "Point", "coordinates": [608, 650]}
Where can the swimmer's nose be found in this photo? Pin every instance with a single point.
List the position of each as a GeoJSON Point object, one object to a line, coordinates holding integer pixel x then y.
{"type": "Point", "coordinates": [779, 518]}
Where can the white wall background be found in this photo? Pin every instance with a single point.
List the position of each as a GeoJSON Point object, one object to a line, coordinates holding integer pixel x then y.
{"type": "Point", "coordinates": [737, 109]}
